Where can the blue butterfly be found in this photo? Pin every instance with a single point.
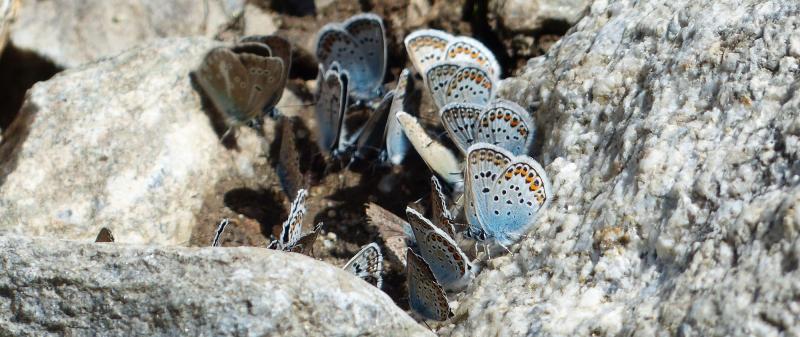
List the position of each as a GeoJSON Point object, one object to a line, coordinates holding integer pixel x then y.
{"type": "Point", "coordinates": [359, 46]}
{"type": "Point", "coordinates": [503, 123]}
{"type": "Point", "coordinates": [447, 262]}
{"type": "Point", "coordinates": [459, 82]}
{"type": "Point", "coordinates": [425, 295]}
{"type": "Point", "coordinates": [503, 193]}
{"type": "Point", "coordinates": [367, 264]}
{"type": "Point", "coordinates": [331, 108]}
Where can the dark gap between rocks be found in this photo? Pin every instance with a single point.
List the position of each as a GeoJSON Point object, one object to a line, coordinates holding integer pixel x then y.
{"type": "Point", "coordinates": [21, 70]}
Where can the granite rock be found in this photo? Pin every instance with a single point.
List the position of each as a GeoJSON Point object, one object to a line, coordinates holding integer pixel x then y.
{"type": "Point", "coordinates": [670, 131]}
{"type": "Point", "coordinates": [526, 16]}
{"type": "Point", "coordinates": [58, 287]}
{"type": "Point", "coordinates": [70, 33]}
{"type": "Point", "coordinates": [124, 143]}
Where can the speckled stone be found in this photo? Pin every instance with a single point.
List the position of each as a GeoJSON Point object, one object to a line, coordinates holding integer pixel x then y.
{"type": "Point", "coordinates": [124, 143]}
{"type": "Point", "coordinates": [70, 33]}
{"type": "Point", "coordinates": [670, 131]}
{"type": "Point", "coordinates": [57, 287]}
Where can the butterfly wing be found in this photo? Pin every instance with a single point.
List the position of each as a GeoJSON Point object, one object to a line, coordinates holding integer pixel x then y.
{"type": "Point", "coordinates": [306, 242]}
{"type": "Point", "coordinates": [485, 164]}
{"type": "Point", "coordinates": [516, 198]}
{"type": "Point", "coordinates": [467, 49]}
{"type": "Point", "coordinates": [470, 84]}
{"type": "Point", "coordinates": [396, 141]}
{"type": "Point", "coordinates": [337, 45]}
{"type": "Point", "coordinates": [437, 79]}
{"type": "Point", "coordinates": [104, 235]}
{"type": "Point", "coordinates": [226, 82]}
{"type": "Point", "coordinates": [368, 32]}
{"type": "Point", "coordinates": [331, 105]}
{"type": "Point", "coordinates": [508, 125]}
{"type": "Point", "coordinates": [426, 47]}
{"type": "Point", "coordinates": [460, 121]}
{"type": "Point", "coordinates": [293, 226]}
{"type": "Point", "coordinates": [219, 231]}
{"type": "Point", "coordinates": [440, 213]}
{"type": "Point", "coordinates": [288, 167]}
{"type": "Point", "coordinates": [425, 296]}
{"type": "Point", "coordinates": [370, 140]}
{"type": "Point", "coordinates": [280, 48]}
{"type": "Point", "coordinates": [439, 158]}
{"type": "Point", "coordinates": [448, 263]}
{"type": "Point", "coordinates": [367, 264]}
{"type": "Point", "coordinates": [265, 75]}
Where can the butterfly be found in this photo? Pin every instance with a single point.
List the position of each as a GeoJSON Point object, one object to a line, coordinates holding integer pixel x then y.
{"type": "Point", "coordinates": [359, 46]}
{"type": "Point", "coordinates": [439, 158]}
{"type": "Point", "coordinates": [292, 238]}
{"type": "Point", "coordinates": [395, 232]}
{"type": "Point", "coordinates": [450, 265]}
{"type": "Point", "coordinates": [502, 122]}
{"type": "Point", "coordinates": [242, 80]}
{"type": "Point", "coordinates": [428, 46]}
{"type": "Point", "coordinates": [382, 133]}
{"type": "Point", "coordinates": [218, 233]}
{"type": "Point", "coordinates": [281, 48]}
{"type": "Point", "coordinates": [439, 211]}
{"type": "Point", "coordinates": [288, 167]}
{"type": "Point", "coordinates": [367, 264]}
{"type": "Point", "coordinates": [425, 296]}
{"type": "Point", "coordinates": [459, 82]}
{"type": "Point", "coordinates": [503, 193]}
{"type": "Point", "coordinates": [331, 108]}
{"type": "Point", "coordinates": [104, 235]}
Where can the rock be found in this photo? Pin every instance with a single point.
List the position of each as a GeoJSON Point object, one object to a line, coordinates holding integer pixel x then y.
{"type": "Point", "coordinates": [8, 10]}
{"type": "Point", "coordinates": [57, 287]}
{"type": "Point", "coordinates": [526, 16]}
{"type": "Point", "coordinates": [670, 132]}
{"type": "Point", "coordinates": [71, 33]}
{"type": "Point", "coordinates": [258, 21]}
{"type": "Point", "coordinates": [124, 143]}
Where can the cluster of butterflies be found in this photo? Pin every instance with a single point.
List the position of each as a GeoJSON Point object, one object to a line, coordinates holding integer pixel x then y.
{"type": "Point", "coordinates": [503, 188]}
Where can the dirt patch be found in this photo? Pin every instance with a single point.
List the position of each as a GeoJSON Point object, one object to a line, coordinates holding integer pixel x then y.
{"type": "Point", "coordinates": [337, 194]}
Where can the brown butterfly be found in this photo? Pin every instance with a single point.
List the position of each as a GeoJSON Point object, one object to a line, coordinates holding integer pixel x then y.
{"type": "Point", "coordinates": [242, 81]}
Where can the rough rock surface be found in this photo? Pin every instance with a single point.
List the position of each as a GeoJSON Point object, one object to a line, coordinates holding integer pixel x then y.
{"type": "Point", "coordinates": [670, 131]}
{"type": "Point", "coordinates": [54, 287]}
{"type": "Point", "coordinates": [125, 144]}
{"type": "Point", "coordinates": [526, 16]}
{"type": "Point", "coordinates": [8, 10]}
{"type": "Point", "coordinates": [70, 33]}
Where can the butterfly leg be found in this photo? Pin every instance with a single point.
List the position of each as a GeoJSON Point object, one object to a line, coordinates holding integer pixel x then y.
{"type": "Point", "coordinates": [506, 248]}
{"type": "Point", "coordinates": [225, 135]}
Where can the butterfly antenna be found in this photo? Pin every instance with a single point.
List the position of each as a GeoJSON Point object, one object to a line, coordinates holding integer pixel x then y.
{"type": "Point", "coordinates": [426, 324]}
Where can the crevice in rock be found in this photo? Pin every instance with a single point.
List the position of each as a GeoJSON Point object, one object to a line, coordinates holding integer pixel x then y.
{"type": "Point", "coordinates": [21, 69]}
{"type": "Point", "coordinates": [476, 12]}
